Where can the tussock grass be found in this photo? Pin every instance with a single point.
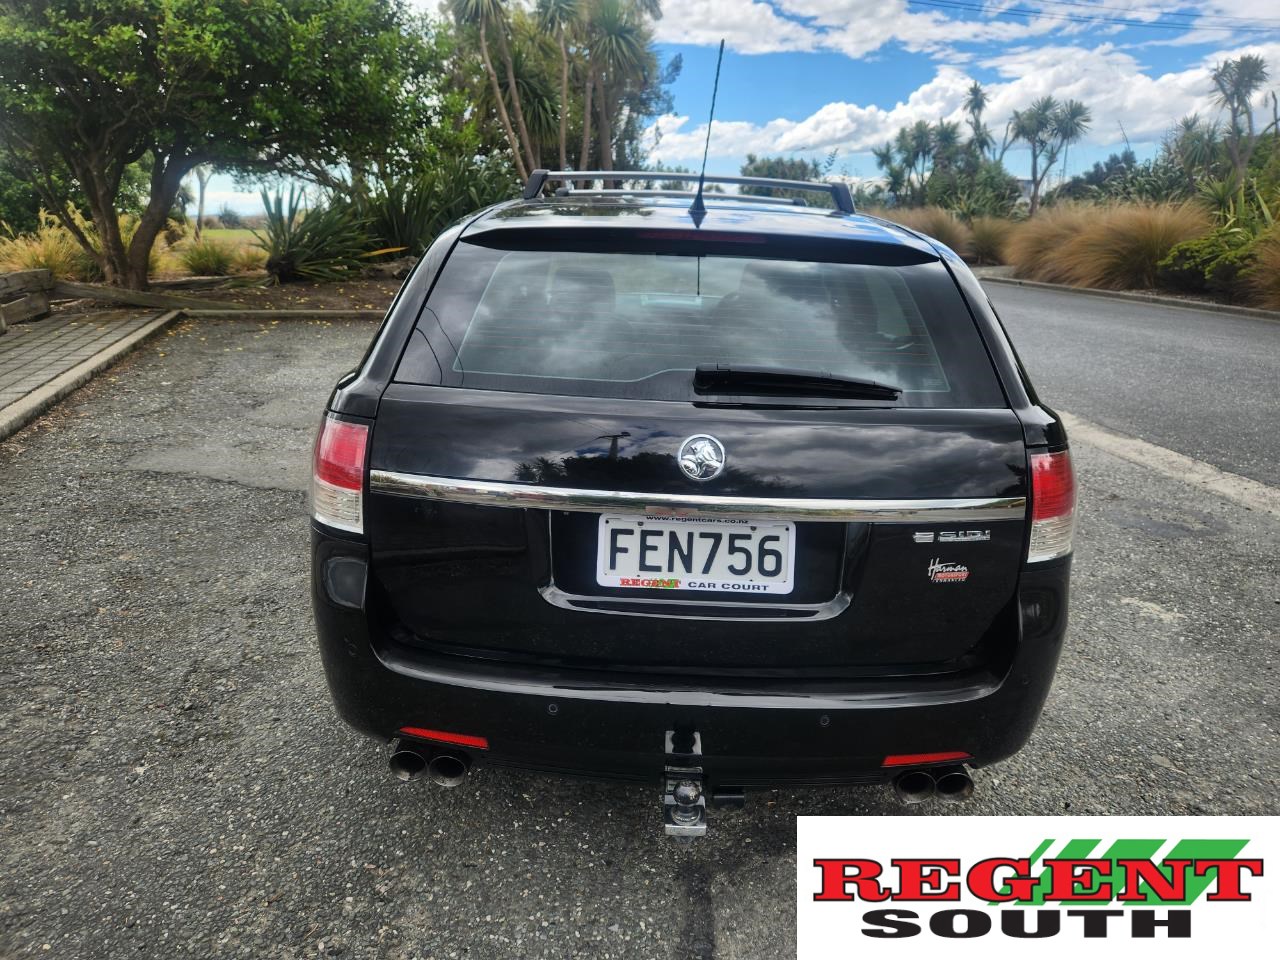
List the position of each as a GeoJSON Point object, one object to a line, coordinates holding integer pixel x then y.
{"type": "Point", "coordinates": [1113, 247]}
{"type": "Point", "coordinates": [988, 237]}
{"type": "Point", "coordinates": [248, 259]}
{"type": "Point", "coordinates": [208, 258]}
{"type": "Point", "coordinates": [1263, 282]}
{"type": "Point", "coordinates": [51, 248]}
{"type": "Point", "coordinates": [1032, 249]}
{"type": "Point", "coordinates": [935, 222]}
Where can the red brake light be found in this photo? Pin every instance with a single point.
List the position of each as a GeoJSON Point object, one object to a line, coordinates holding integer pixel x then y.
{"type": "Point", "coordinates": [340, 453]}
{"type": "Point", "coordinates": [1053, 502]}
{"type": "Point", "coordinates": [440, 736]}
{"type": "Point", "coordinates": [1053, 485]}
{"type": "Point", "coordinates": [337, 480]}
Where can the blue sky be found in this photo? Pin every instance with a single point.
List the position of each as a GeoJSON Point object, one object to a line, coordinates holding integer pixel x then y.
{"type": "Point", "coordinates": [804, 77]}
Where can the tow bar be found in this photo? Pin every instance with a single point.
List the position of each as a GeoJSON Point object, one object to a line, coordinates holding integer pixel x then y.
{"type": "Point", "coordinates": [684, 802]}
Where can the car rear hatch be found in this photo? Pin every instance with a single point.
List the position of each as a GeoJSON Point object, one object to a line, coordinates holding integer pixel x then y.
{"type": "Point", "coordinates": [547, 487]}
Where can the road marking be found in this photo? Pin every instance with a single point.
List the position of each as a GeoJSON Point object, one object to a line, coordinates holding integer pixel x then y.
{"type": "Point", "coordinates": [1250, 493]}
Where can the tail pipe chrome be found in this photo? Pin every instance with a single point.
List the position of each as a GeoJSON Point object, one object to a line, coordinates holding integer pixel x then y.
{"type": "Point", "coordinates": [448, 769]}
{"type": "Point", "coordinates": [953, 784]}
{"type": "Point", "coordinates": [914, 786]}
{"type": "Point", "coordinates": [410, 760]}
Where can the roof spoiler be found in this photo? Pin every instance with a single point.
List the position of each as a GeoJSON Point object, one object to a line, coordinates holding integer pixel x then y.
{"type": "Point", "coordinates": [839, 192]}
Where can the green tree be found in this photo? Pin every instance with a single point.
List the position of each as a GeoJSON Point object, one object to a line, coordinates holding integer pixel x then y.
{"type": "Point", "coordinates": [785, 168]}
{"type": "Point", "coordinates": [1047, 127]}
{"type": "Point", "coordinates": [559, 17]}
{"type": "Point", "coordinates": [618, 49]}
{"type": "Point", "coordinates": [1236, 83]}
{"type": "Point", "coordinates": [487, 16]}
{"type": "Point", "coordinates": [88, 89]}
{"type": "Point", "coordinates": [975, 103]}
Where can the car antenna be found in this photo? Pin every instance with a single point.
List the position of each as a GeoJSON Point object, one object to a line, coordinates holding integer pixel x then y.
{"type": "Point", "coordinates": [698, 209]}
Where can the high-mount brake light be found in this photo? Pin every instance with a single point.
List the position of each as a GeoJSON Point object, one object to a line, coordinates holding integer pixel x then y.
{"type": "Point", "coordinates": [337, 480]}
{"type": "Point", "coordinates": [1053, 506]}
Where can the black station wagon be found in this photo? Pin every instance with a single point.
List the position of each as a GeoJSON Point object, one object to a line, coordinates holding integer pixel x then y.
{"type": "Point", "coordinates": [738, 494]}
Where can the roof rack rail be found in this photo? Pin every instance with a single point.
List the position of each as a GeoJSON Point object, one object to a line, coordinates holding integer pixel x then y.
{"type": "Point", "coordinates": [745, 198]}
{"type": "Point", "coordinates": [839, 192]}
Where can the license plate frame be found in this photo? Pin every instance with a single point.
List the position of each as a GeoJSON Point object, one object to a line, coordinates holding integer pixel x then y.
{"type": "Point", "coordinates": [619, 560]}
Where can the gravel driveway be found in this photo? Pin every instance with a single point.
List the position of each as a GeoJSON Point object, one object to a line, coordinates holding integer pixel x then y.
{"type": "Point", "coordinates": [174, 782]}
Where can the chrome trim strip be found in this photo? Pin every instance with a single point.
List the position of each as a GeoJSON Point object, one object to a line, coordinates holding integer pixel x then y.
{"type": "Point", "coordinates": [497, 494]}
{"type": "Point", "coordinates": [589, 603]}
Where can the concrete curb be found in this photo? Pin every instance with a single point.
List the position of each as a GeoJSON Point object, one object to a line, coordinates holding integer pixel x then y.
{"type": "Point", "coordinates": [1151, 298]}
{"type": "Point", "coordinates": [21, 412]}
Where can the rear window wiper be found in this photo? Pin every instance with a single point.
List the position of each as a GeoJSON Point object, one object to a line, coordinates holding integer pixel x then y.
{"type": "Point", "coordinates": [786, 381]}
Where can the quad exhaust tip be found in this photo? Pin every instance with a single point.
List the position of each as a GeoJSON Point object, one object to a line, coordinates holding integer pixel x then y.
{"type": "Point", "coordinates": [406, 762]}
{"type": "Point", "coordinates": [914, 786]}
{"type": "Point", "coordinates": [448, 769]}
{"type": "Point", "coordinates": [410, 761]}
{"type": "Point", "coordinates": [952, 784]}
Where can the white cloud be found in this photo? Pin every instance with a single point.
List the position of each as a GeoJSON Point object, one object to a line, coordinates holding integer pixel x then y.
{"type": "Point", "coordinates": [747, 26]}
{"type": "Point", "coordinates": [859, 27]}
{"type": "Point", "coordinates": [1112, 82]}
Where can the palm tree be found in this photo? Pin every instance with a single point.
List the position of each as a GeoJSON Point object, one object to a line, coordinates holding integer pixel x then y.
{"type": "Point", "coordinates": [618, 52]}
{"type": "Point", "coordinates": [975, 102]}
{"type": "Point", "coordinates": [480, 14]}
{"type": "Point", "coordinates": [1069, 124]}
{"type": "Point", "coordinates": [1236, 83]}
{"type": "Point", "coordinates": [1034, 126]}
{"type": "Point", "coordinates": [558, 16]}
{"type": "Point", "coordinates": [1193, 143]}
{"type": "Point", "coordinates": [944, 139]}
{"type": "Point", "coordinates": [920, 136]}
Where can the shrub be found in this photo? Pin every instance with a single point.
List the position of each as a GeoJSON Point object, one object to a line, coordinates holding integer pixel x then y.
{"type": "Point", "coordinates": [321, 244]}
{"type": "Point", "coordinates": [174, 231]}
{"type": "Point", "coordinates": [988, 237]}
{"type": "Point", "coordinates": [1121, 247]}
{"type": "Point", "coordinates": [1033, 247]}
{"type": "Point", "coordinates": [1263, 280]}
{"type": "Point", "coordinates": [208, 258]}
{"type": "Point", "coordinates": [229, 218]}
{"type": "Point", "coordinates": [1186, 266]}
{"type": "Point", "coordinates": [409, 214]}
{"type": "Point", "coordinates": [51, 247]}
{"type": "Point", "coordinates": [1215, 263]}
{"type": "Point", "coordinates": [935, 222]}
{"type": "Point", "coordinates": [248, 259]}
{"type": "Point", "coordinates": [1116, 247]}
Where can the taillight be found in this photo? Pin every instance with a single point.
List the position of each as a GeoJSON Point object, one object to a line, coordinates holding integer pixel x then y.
{"type": "Point", "coordinates": [337, 479]}
{"type": "Point", "coordinates": [1053, 503]}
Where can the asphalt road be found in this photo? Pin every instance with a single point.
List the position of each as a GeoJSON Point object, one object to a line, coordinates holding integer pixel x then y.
{"type": "Point", "coordinates": [173, 781]}
{"type": "Point", "coordinates": [1204, 384]}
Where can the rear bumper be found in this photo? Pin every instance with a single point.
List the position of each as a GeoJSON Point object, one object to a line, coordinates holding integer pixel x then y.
{"type": "Point", "coordinates": [569, 722]}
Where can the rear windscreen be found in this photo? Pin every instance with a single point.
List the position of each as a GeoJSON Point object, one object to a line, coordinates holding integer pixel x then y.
{"type": "Point", "coordinates": [638, 324]}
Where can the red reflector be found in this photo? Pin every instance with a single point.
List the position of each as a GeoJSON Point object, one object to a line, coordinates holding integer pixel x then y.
{"type": "Point", "coordinates": [918, 759]}
{"type": "Point", "coordinates": [339, 456]}
{"type": "Point", "coordinates": [458, 739]}
{"type": "Point", "coordinates": [1053, 485]}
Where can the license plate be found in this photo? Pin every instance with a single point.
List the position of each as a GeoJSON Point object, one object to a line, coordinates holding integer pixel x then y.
{"type": "Point", "coordinates": [732, 556]}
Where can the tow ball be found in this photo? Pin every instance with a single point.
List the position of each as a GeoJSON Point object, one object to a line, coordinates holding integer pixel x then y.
{"type": "Point", "coordinates": [684, 801]}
